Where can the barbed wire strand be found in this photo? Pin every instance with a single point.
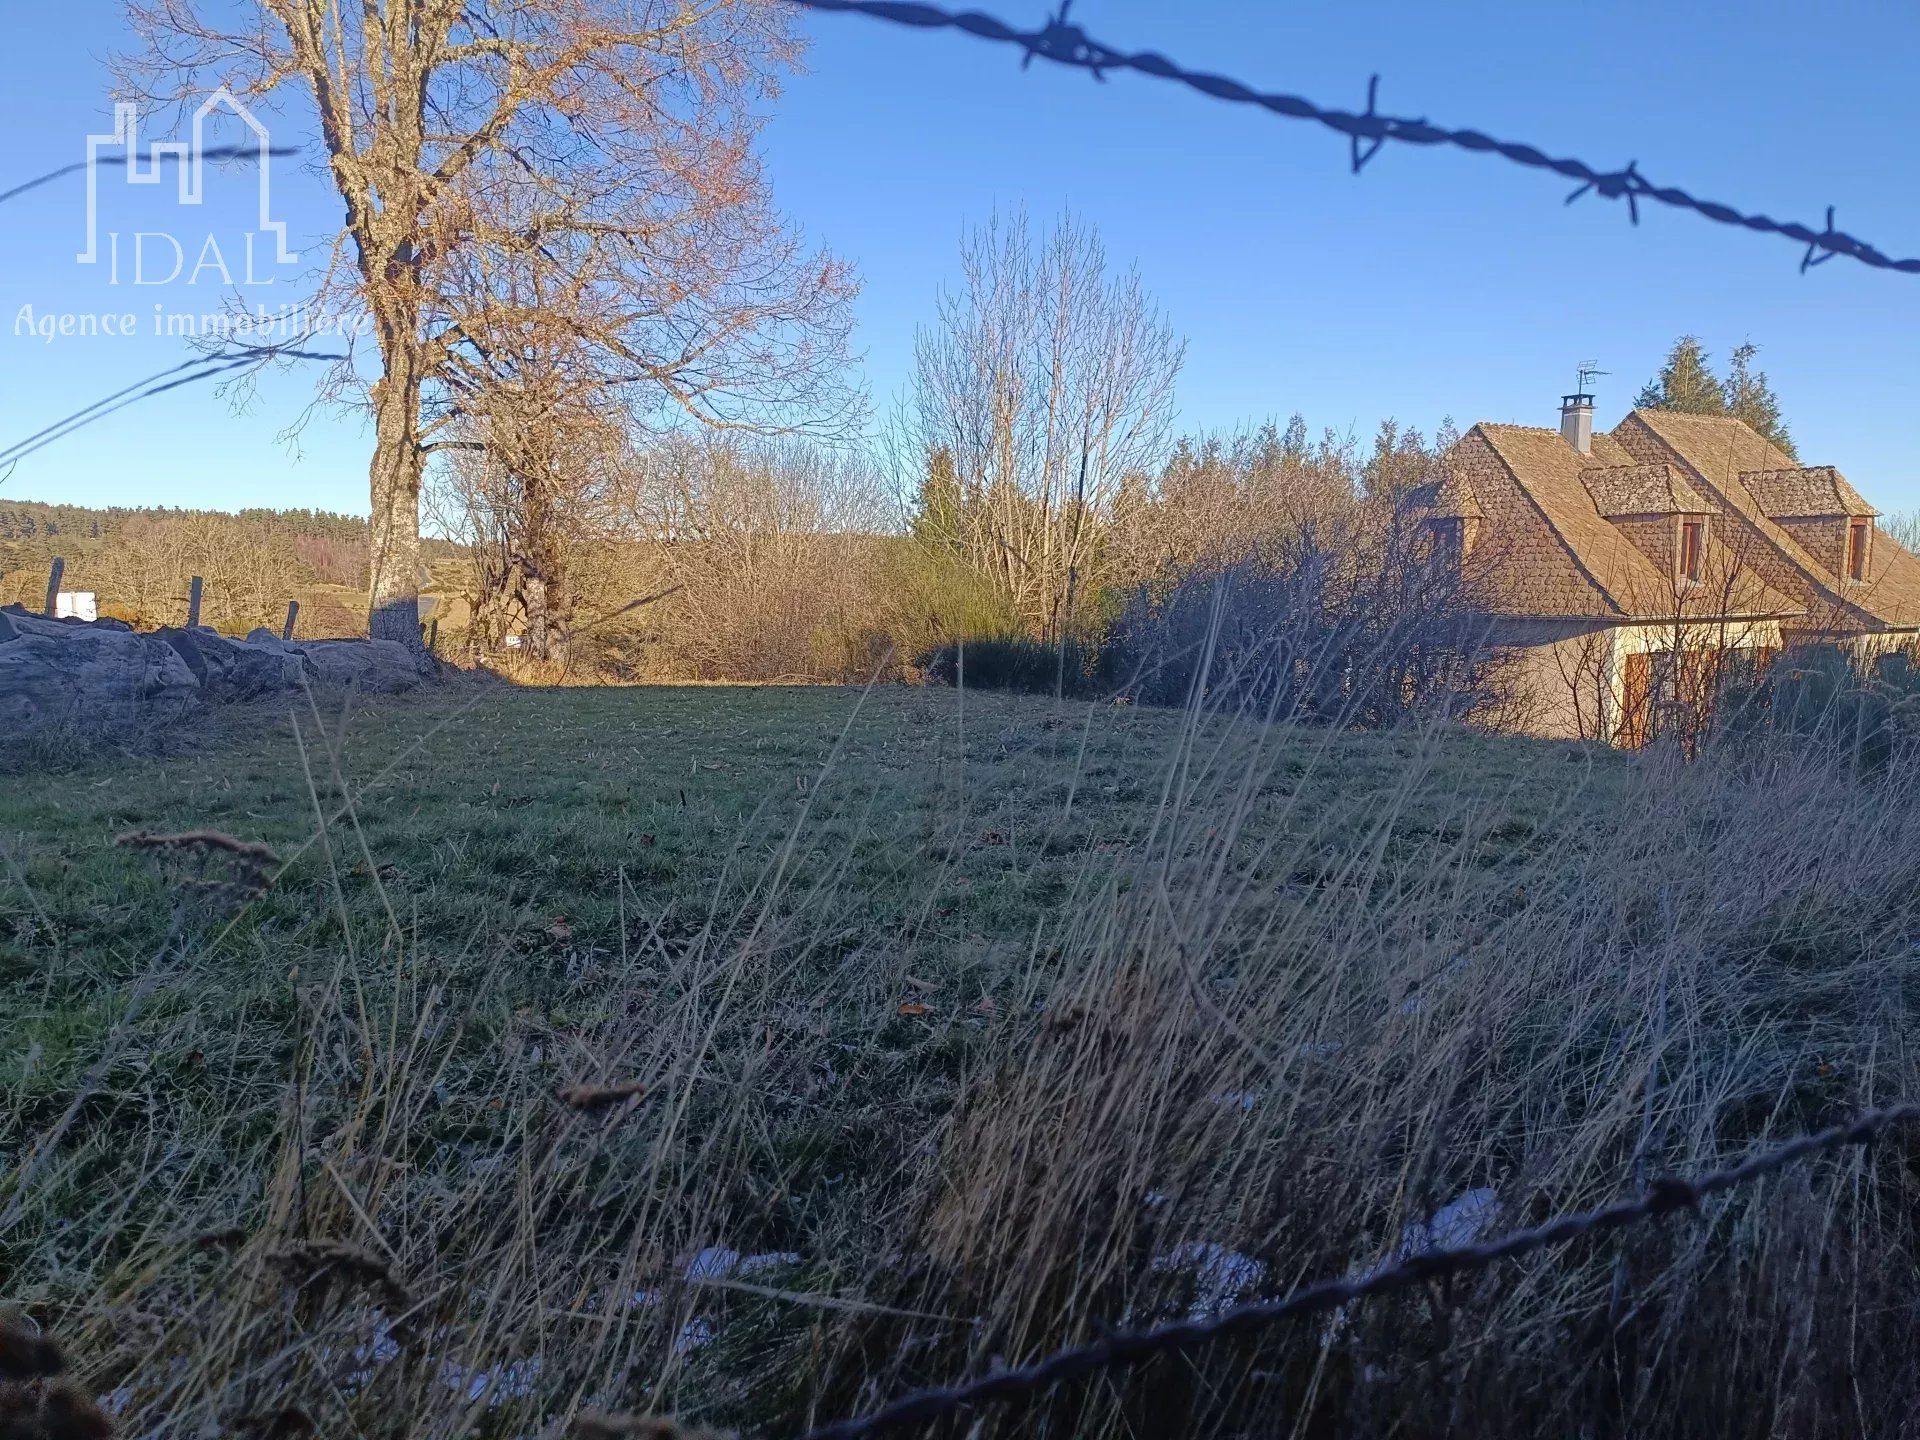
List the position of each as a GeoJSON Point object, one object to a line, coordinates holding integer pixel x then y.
{"type": "Point", "coordinates": [1117, 1349]}
{"type": "Point", "coordinates": [1067, 44]}
{"type": "Point", "coordinates": [224, 152]}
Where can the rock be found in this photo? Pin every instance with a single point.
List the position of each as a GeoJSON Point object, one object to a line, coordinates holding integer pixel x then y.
{"type": "Point", "coordinates": [236, 669]}
{"type": "Point", "coordinates": [96, 677]}
{"type": "Point", "coordinates": [377, 667]}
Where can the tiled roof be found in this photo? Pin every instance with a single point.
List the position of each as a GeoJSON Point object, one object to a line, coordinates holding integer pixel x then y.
{"type": "Point", "coordinates": [1548, 470]}
{"type": "Point", "coordinates": [1805, 492]}
{"type": "Point", "coordinates": [1720, 451]}
{"type": "Point", "coordinates": [1448, 498]}
{"type": "Point", "coordinates": [1619, 490]}
{"type": "Point", "coordinates": [1585, 564]}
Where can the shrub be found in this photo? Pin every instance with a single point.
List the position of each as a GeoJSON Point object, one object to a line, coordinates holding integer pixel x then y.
{"type": "Point", "coordinates": [1864, 712]}
{"type": "Point", "coordinates": [1029, 667]}
{"type": "Point", "coordinates": [1300, 639]}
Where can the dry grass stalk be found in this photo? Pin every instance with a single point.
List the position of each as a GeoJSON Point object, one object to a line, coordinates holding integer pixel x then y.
{"type": "Point", "coordinates": [1481, 985]}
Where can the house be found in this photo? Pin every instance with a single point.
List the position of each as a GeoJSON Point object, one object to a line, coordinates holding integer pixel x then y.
{"type": "Point", "coordinates": [1626, 572]}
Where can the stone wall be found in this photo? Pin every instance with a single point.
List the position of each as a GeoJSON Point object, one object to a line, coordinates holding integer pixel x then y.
{"type": "Point", "coordinates": [103, 676]}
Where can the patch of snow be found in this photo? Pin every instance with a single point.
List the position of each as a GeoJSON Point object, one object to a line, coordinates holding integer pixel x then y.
{"type": "Point", "coordinates": [1245, 1099]}
{"type": "Point", "coordinates": [717, 1263]}
{"type": "Point", "coordinates": [1461, 1221]}
{"type": "Point", "coordinates": [1221, 1275]}
{"type": "Point", "coordinates": [512, 1381]}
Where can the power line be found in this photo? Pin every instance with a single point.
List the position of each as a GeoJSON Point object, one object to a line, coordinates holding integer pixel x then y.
{"type": "Point", "coordinates": [1068, 44]}
{"type": "Point", "coordinates": [187, 372]}
{"type": "Point", "coordinates": [1119, 1349]}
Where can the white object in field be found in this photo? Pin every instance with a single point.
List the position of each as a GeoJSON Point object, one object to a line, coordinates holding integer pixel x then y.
{"type": "Point", "coordinates": [75, 605]}
{"type": "Point", "coordinates": [1221, 1276]}
{"type": "Point", "coordinates": [513, 642]}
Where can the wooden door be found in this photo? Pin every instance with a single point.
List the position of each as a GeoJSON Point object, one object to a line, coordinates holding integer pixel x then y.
{"type": "Point", "coordinates": [1636, 704]}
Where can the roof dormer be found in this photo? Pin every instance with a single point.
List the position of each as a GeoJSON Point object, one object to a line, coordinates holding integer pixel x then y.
{"type": "Point", "coordinates": [1664, 516]}
{"type": "Point", "coordinates": [1823, 513]}
{"type": "Point", "coordinates": [1449, 515]}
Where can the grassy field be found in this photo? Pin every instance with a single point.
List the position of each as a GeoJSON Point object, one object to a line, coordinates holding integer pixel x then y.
{"type": "Point", "coordinates": [748, 1055]}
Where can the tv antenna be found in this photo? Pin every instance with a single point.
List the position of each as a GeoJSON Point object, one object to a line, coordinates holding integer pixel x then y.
{"type": "Point", "coordinates": [1585, 376]}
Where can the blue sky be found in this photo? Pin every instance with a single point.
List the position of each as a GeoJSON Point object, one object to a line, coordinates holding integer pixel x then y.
{"type": "Point", "coordinates": [1434, 284]}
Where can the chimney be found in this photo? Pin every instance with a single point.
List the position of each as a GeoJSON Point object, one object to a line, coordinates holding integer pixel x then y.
{"type": "Point", "coordinates": [1576, 422]}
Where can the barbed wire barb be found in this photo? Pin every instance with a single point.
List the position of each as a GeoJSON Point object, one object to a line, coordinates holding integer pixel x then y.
{"type": "Point", "coordinates": [1068, 44]}
{"type": "Point", "coordinates": [1116, 1349]}
{"type": "Point", "coordinates": [1373, 146]}
{"type": "Point", "coordinates": [1811, 258]}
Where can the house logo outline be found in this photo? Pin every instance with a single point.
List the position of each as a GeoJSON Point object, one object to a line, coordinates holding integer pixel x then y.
{"type": "Point", "coordinates": [189, 155]}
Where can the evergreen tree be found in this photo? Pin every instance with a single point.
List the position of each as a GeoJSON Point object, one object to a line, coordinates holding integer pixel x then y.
{"type": "Point", "coordinates": [1686, 383]}
{"type": "Point", "coordinates": [937, 515]}
{"type": "Point", "coordinates": [1747, 396]}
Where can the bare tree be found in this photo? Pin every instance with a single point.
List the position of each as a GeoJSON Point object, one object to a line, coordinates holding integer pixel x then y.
{"type": "Point", "coordinates": [1044, 382]}
{"type": "Point", "coordinates": [773, 552]}
{"type": "Point", "coordinates": [602, 149]}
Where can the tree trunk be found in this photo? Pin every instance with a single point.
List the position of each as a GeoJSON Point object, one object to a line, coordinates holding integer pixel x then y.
{"type": "Point", "coordinates": [393, 598]}
{"type": "Point", "coordinates": [539, 640]}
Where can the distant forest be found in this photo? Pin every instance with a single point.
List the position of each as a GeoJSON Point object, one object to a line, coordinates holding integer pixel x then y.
{"type": "Point", "coordinates": [139, 561]}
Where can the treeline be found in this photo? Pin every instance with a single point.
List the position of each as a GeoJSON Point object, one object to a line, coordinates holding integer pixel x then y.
{"type": "Point", "coordinates": [139, 561]}
{"type": "Point", "coordinates": [776, 561]}
{"type": "Point", "coordinates": [1027, 501]}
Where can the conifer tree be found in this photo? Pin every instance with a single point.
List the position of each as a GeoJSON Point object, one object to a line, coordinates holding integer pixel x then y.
{"type": "Point", "coordinates": [1686, 383]}
{"type": "Point", "coordinates": [1748, 396]}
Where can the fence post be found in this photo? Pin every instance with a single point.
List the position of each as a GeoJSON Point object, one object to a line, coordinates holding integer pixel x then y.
{"type": "Point", "coordinates": [293, 613]}
{"type": "Point", "coordinates": [53, 585]}
{"type": "Point", "coordinates": [193, 603]}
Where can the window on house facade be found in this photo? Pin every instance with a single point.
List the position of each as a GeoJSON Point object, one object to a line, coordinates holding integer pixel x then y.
{"type": "Point", "coordinates": [1447, 537]}
{"type": "Point", "coordinates": [1693, 544]}
{"type": "Point", "coordinates": [1858, 532]}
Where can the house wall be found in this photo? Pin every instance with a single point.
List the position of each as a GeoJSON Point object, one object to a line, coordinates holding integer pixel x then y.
{"type": "Point", "coordinates": [1556, 672]}
{"type": "Point", "coordinates": [1569, 677]}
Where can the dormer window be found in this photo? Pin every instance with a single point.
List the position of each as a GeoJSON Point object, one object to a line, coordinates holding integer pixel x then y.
{"type": "Point", "coordinates": [1446, 537]}
{"type": "Point", "coordinates": [1693, 548]}
{"type": "Point", "coordinates": [1859, 537]}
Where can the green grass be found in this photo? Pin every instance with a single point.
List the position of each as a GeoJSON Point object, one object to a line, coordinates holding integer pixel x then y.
{"type": "Point", "coordinates": [572, 821]}
{"type": "Point", "coordinates": [936, 993]}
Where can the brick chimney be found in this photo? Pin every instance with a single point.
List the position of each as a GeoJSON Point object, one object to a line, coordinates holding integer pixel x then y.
{"type": "Point", "coordinates": [1576, 422]}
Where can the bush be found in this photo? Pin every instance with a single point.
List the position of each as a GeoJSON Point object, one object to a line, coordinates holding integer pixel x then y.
{"type": "Point", "coordinates": [1029, 667]}
{"type": "Point", "coordinates": [1300, 640]}
{"type": "Point", "coordinates": [1865, 713]}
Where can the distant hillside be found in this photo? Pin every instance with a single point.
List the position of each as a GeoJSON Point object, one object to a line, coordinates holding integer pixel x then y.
{"type": "Point", "coordinates": [139, 561]}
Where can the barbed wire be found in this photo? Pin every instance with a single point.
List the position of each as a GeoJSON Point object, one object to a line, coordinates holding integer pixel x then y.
{"type": "Point", "coordinates": [1367, 131]}
{"type": "Point", "coordinates": [1117, 1349]}
{"type": "Point", "coordinates": [223, 152]}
